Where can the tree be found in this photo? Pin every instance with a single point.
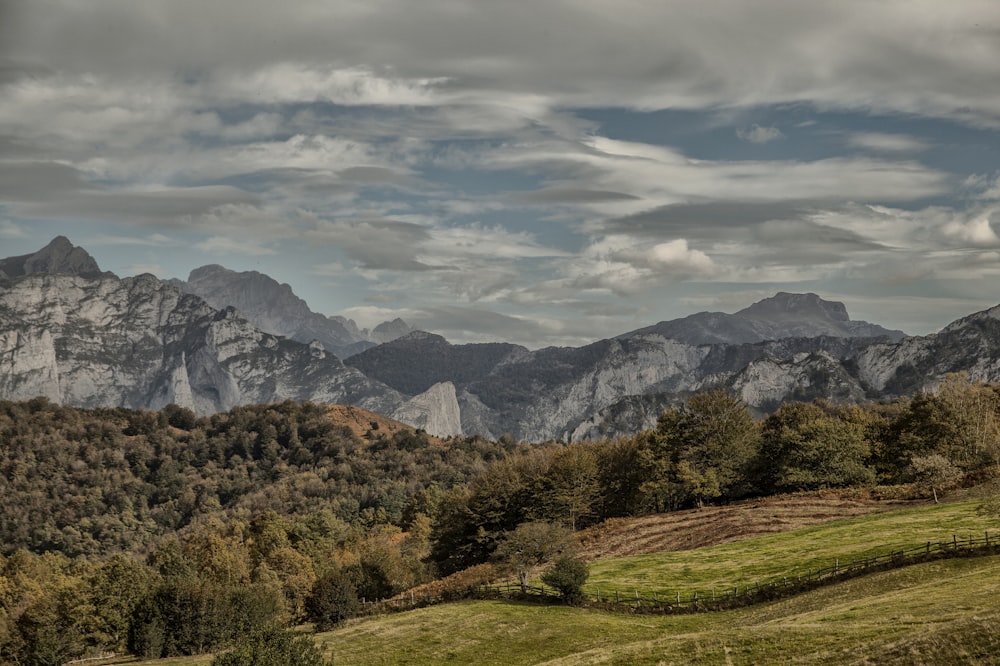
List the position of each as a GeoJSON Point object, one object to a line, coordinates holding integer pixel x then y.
{"type": "Point", "coordinates": [701, 451]}
{"type": "Point", "coordinates": [805, 447]}
{"type": "Point", "coordinates": [571, 485]}
{"type": "Point", "coordinates": [272, 646]}
{"type": "Point", "coordinates": [333, 600]}
{"type": "Point", "coordinates": [116, 589]}
{"type": "Point", "coordinates": [530, 545]}
{"type": "Point", "coordinates": [934, 472]}
{"type": "Point", "coordinates": [567, 575]}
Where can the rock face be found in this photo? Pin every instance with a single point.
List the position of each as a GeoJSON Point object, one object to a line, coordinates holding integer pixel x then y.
{"type": "Point", "coordinates": [140, 343]}
{"type": "Point", "coordinates": [274, 308]}
{"type": "Point", "coordinates": [435, 410]}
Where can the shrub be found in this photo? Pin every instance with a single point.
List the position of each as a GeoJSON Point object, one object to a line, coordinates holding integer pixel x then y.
{"type": "Point", "coordinates": [333, 600]}
{"type": "Point", "coordinates": [272, 646]}
{"type": "Point", "coordinates": [567, 576]}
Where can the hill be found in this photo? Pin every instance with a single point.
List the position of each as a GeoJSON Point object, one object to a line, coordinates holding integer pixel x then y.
{"type": "Point", "coordinates": [715, 525]}
{"type": "Point", "coordinates": [363, 423]}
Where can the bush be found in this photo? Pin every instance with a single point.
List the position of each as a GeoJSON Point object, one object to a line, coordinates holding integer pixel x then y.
{"type": "Point", "coordinates": [567, 576]}
{"type": "Point", "coordinates": [333, 600]}
{"type": "Point", "coordinates": [272, 646]}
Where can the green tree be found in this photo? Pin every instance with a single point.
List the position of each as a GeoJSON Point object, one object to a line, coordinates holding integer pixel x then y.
{"type": "Point", "coordinates": [570, 485]}
{"type": "Point", "coordinates": [531, 545]}
{"type": "Point", "coordinates": [805, 447]}
{"type": "Point", "coordinates": [116, 588]}
{"type": "Point", "coordinates": [567, 575]}
{"type": "Point", "coordinates": [701, 451]}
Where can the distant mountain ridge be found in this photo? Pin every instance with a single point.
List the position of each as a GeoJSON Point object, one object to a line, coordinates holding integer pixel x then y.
{"type": "Point", "coordinates": [274, 308]}
{"type": "Point", "coordinates": [82, 337]}
{"type": "Point", "coordinates": [783, 315]}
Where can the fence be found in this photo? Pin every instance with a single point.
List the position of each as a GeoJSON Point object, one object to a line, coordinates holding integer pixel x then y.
{"type": "Point", "coordinates": [792, 582]}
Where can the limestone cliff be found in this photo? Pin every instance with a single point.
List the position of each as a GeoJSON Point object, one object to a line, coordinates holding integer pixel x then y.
{"type": "Point", "coordinates": [435, 410]}
{"type": "Point", "coordinates": [138, 342]}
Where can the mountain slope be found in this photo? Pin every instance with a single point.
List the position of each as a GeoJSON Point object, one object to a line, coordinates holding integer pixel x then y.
{"type": "Point", "coordinates": [274, 308]}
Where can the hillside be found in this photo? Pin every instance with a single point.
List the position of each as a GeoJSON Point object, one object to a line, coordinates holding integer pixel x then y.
{"type": "Point", "coordinates": [363, 423]}
{"type": "Point", "coordinates": [715, 525]}
{"type": "Point", "coordinates": [938, 612]}
{"type": "Point", "coordinates": [942, 612]}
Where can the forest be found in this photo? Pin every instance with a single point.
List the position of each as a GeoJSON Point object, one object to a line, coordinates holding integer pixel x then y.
{"type": "Point", "coordinates": [119, 527]}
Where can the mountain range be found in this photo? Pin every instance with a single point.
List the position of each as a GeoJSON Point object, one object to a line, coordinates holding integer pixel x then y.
{"type": "Point", "coordinates": [80, 336]}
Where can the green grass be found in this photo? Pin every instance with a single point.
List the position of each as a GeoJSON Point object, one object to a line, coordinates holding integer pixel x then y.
{"type": "Point", "coordinates": [939, 612]}
{"type": "Point", "coordinates": [789, 553]}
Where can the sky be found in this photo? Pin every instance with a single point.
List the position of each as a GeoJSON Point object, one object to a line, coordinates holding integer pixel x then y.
{"type": "Point", "coordinates": [545, 172]}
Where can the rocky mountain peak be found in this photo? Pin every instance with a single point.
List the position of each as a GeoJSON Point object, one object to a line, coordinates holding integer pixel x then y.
{"type": "Point", "coordinates": [390, 330]}
{"type": "Point", "coordinates": [784, 305]}
{"type": "Point", "coordinates": [60, 256]}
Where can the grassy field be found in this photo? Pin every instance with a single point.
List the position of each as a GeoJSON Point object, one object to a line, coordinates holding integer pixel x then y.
{"type": "Point", "coordinates": [789, 553]}
{"type": "Point", "coordinates": [940, 612]}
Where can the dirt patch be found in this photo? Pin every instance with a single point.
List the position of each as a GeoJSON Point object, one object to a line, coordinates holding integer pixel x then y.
{"type": "Point", "coordinates": [714, 525]}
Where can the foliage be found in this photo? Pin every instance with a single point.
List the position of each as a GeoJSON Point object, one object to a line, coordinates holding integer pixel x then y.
{"type": "Point", "coordinates": [101, 481]}
{"type": "Point", "coordinates": [934, 472]}
{"type": "Point", "coordinates": [804, 447]}
{"type": "Point", "coordinates": [332, 600]}
{"type": "Point", "coordinates": [532, 544]}
{"type": "Point", "coordinates": [272, 646]}
{"type": "Point", "coordinates": [702, 451]}
{"type": "Point", "coordinates": [567, 575]}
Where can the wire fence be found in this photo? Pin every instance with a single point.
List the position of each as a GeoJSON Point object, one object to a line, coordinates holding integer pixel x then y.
{"type": "Point", "coordinates": [694, 601]}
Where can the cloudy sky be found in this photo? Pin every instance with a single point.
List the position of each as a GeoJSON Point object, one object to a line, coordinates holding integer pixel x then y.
{"type": "Point", "coordinates": [544, 172]}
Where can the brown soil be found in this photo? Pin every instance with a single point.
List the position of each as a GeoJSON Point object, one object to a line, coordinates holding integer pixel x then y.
{"type": "Point", "coordinates": [713, 525]}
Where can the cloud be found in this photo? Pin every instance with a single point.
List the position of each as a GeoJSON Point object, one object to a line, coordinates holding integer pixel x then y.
{"type": "Point", "coordinates": [881, 142]}
{"type": "Point", "coordinates": [10, 230]}
{"type": "Point", "coordinates": [166, 206]}
{"type": "Point", "coordinates": [557, 195]}
{"type": "Point", "coordinates": [977, 231]}
{"type": "Point", "coordinates": [758, 134]}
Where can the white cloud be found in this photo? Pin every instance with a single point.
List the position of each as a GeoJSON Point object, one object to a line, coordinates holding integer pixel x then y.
{"type": "Point", "coordinates": [881, 142]}
{"type": "Point", "coordinates": [758, 134]}
{"type": "Point", "coordinates": [977, 231]}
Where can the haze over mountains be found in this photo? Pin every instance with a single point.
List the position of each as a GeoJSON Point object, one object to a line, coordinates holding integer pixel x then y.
{"type": "Point", "coordinates": [79, 336]}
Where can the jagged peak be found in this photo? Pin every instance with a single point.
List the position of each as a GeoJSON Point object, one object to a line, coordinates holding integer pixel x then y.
{"type": "Point", "coordinates": [59, 256]}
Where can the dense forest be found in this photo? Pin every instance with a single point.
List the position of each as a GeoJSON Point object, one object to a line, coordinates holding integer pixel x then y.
{"type": "Point", "coordinates": [121, 526]}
